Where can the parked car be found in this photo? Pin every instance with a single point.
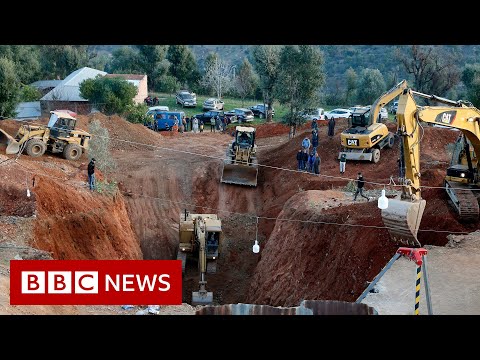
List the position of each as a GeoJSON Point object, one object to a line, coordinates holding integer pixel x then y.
{"type": "Point", "coordinates": [152, 110]}
{"type": "Point", "coordinates": [356, 108]}
{"type": "Point", "coordinates": [186, 99]}
{"type": "Point", "coordinates": [164, 120]}
{"type": "Point", "coordinates": [337, 114]}
{"type": "Point", "coordinates": [207, 116]}
{"type": "Point", "coordinates": [394, 107]}
{"type": "Point", "coordinates": [383, 113]}
{"type": "Point", "coordinates": [260, 110]}
{"type": "Point", "coordinates": [314, 114]}
{"type": "Point", "coordinates": [241, 114]}
{"type": "Point", "coordinates": [213, 104]}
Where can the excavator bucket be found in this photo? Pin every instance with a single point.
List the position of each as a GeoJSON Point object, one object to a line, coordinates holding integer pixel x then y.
{"type": "Point", "coordinates": [202, 298]}
{"type": "Point", "coordinates": [239, 174]}
{"type": "Point", "coordinates": [402, 218]}
{"type": "Point", "coordinates": [12, 145]}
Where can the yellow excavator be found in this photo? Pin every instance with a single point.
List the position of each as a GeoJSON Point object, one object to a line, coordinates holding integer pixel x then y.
{"type": "Point", "coordinates": [403, 214]}
{"type": "Point", "coordinates": [200, 235]}
{"type": "Point", "coordinates": [364, 139]}
{"type": "Point", "coordinates": [240, 164]}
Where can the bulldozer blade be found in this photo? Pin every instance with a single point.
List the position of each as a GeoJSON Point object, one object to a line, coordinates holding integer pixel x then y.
{"type": "Point", "coordinates": [239, 174]}
{"type": "Point", "coordinates": [202, 298]}
{"type": "Point", "coordinates": [402, 218]}
{"type": "Point", "coordinates": [12, 145]}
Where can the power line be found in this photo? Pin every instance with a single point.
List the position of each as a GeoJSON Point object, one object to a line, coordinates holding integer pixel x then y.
{"type": "Point", "coordinates": [254, 216]}
{"type": "Point", "coordinates": [266, 166]}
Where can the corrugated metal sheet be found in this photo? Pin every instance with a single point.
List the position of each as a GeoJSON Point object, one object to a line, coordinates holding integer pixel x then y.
{"type": "Point", "coordinates": [69, 88]}
{"type": "Point", "coordinates": [307, 307]}
{"type": "Point", "coordinates": [45, 84]}
{"type": "Point", "coordinates": [28, 110]}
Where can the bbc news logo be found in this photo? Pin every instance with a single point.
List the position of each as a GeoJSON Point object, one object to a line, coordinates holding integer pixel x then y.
{"type": "Point", "coordinates": [95, 282]}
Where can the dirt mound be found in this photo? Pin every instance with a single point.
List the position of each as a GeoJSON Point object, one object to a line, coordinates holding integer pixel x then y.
{"type": "Point", "coordinates": [121, 129]}
{"type": "Point", "coordinates": [318, 261]}
{"type": "Point", "coordinates": [15, 202]}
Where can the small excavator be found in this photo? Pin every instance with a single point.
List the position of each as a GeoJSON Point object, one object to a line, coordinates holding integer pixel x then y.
{"type": "Point", "coordinates": [403, 214]}
{"type": "Point", "coordinates": [240, 165]}
{"type": "Point", "coordinates": [200, 235]}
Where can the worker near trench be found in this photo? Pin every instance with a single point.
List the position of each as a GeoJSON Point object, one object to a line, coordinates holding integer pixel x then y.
{"type": "Point", "coordinates": [360, 185]}
{"type": "Point", "coordinates": [91, 174]}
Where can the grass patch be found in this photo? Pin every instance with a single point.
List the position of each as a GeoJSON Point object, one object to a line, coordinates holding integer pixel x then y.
{"type": "Point", "coordinates": [107, 188]}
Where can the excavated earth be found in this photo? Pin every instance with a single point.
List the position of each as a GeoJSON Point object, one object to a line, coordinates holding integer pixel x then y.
{"type": "Point", "coordinates": [160, 175]}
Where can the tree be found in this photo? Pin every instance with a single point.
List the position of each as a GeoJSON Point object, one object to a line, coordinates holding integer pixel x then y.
{"type": "Point", "coordinates": [58, 61]}
{"type": "Point", "coordinates": [266, 59]}
{"type": "Point", "coordinates": [153, 63]}
{"type": "Point", "coordinates": [434, 71]}
{"type": "Point", "coordinates": [372, 85]}
{"type": "Point", "coordinates": [9, 88]}
{"type": "Point", "coordinates": [352, 83]}
{"type": "Point", "coordinates": [471, 80]}
{"type": "Point", "coordinates": [183, 65]}
{"type": "Point", "coordinates": [246, 80]}
{"type": "Point", "coordinates": [217, 75]}
{"type": "Point", "coordinates": [300, 76]}
{"type": "Point", "coordinates": [125, 60]}
{"type": "Point", "coordinates": [26, 59]}
{"type": "Point", "coordinates": [29, 93]}
{"type": "Point", "coordinates": [111, 95]}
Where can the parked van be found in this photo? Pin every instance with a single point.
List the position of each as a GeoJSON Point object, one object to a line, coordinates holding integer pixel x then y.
{"type": "Point", "coordinates": [164, 120]}
{"type": "Point", "coordinates": [314, 114]}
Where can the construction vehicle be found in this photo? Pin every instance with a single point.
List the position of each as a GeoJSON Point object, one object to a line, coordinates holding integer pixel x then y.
{"type": "Point", "coordinates": [364, 139]}
{"type": "Point", "coordinates": [59, 136]}
{"type": "Point", "coordinates": [240, 165]}
{"type": "Point", "coordinates": [403, 214]}
{"type": "Point", "coordinates": [200, 236]}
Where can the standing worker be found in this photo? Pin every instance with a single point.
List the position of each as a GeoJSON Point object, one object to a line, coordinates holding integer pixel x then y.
{"type": "Point", "coordinates": [316, 164]}
{"type": "Point", "coordinates": [300, 160]}
{"type": "Point", "coordinates": [195, 125]}
{"type": "Point", "coordinates": [343, 162]}
{"type": "Point", "coordinates": [331, 128]}
{"type": "Point", "coordinates": [314, 139]}
{"type": "Point", "coordinates": [212, 124]}
{"type": "Point", "coordinates": [306, 144]}
{"type": "Point", "coordinates": [304, 159]}
{"type": "Point", "coordinates": [314, 124]}
{"type": "Point", "coordinates": [360, 184]}
{"type": "Point", "coordinates": [91, 174]}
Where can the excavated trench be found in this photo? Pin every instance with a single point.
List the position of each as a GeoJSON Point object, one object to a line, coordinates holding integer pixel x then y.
{"type": "Point", "coordinates": [298, 260]}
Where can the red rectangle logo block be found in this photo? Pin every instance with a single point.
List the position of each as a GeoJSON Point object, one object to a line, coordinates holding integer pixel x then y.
{"type": "Point", "coordinates": [95, 282]}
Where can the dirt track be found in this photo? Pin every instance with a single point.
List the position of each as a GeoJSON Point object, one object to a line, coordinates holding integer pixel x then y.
{"type": "Point", "coordinates": [156, 183]}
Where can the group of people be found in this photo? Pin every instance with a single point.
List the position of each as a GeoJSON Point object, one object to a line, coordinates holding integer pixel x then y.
{"type": "Point", "coordinates": [217, 124]}
{"type": "Point", "coordinates": [151, 101]}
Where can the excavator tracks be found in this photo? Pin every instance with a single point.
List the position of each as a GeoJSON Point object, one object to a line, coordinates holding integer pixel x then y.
{"type": "Point", "coordinates": [464, 201]}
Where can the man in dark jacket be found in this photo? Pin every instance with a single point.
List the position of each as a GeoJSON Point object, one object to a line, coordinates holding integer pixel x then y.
{"type": "Point", "coordinates": [316, 164]}
{"type": "Point", "coordinates": [300, 160]}
{"type": "Point", "coordinates": [305, 160]}
{"type": "Point", "coordinates": [331, 128]}
{"type": "Point", "coordinates": [314, 139]}
{"type": "Point", "coordinates": [360, 184]}
{"type": "Point", "coordinates": [91, 174]}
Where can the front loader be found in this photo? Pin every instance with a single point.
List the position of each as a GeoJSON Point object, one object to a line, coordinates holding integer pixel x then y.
{"type": "Point", "coordinates": [59, 136]}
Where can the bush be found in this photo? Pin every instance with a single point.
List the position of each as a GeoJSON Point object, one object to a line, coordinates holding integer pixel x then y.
{"type": "Point", "coordinates": [29, 93]}
{"type": "Point", "coordinates": [136, 113]}
{"type": "Point", "coordinates": [99, 148]}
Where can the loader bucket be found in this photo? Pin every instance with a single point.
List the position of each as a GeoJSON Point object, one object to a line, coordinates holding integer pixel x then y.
{"type": "Point", "coordinates": [402, 218]}
{"type": "Point", "coordinates": [239, 174]}
{"type": "Point", "coordinates": [202, 298]}
{"type": "Point", "coordinates": [12, 145]}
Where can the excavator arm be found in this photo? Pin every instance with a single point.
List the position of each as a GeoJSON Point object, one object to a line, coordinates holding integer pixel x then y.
{"type": "Point", "coordinates": [202, 296]}
{"type": "Point", "coordinates": [403, 216]}
{"type": "Point", "coordinates": [385, 99]}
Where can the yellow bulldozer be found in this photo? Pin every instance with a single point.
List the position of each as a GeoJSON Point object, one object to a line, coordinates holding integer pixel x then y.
{"type": "Point", "coordinates": [364, 139]}
{"type": "Point", "coordinates": [201, 237]}
{"type": "Point", "coordinates": [403, 215]}
{"type": "Point", "coordinates": [59, 136]}
{"type": "Point", "coordinates": [240, 165]}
